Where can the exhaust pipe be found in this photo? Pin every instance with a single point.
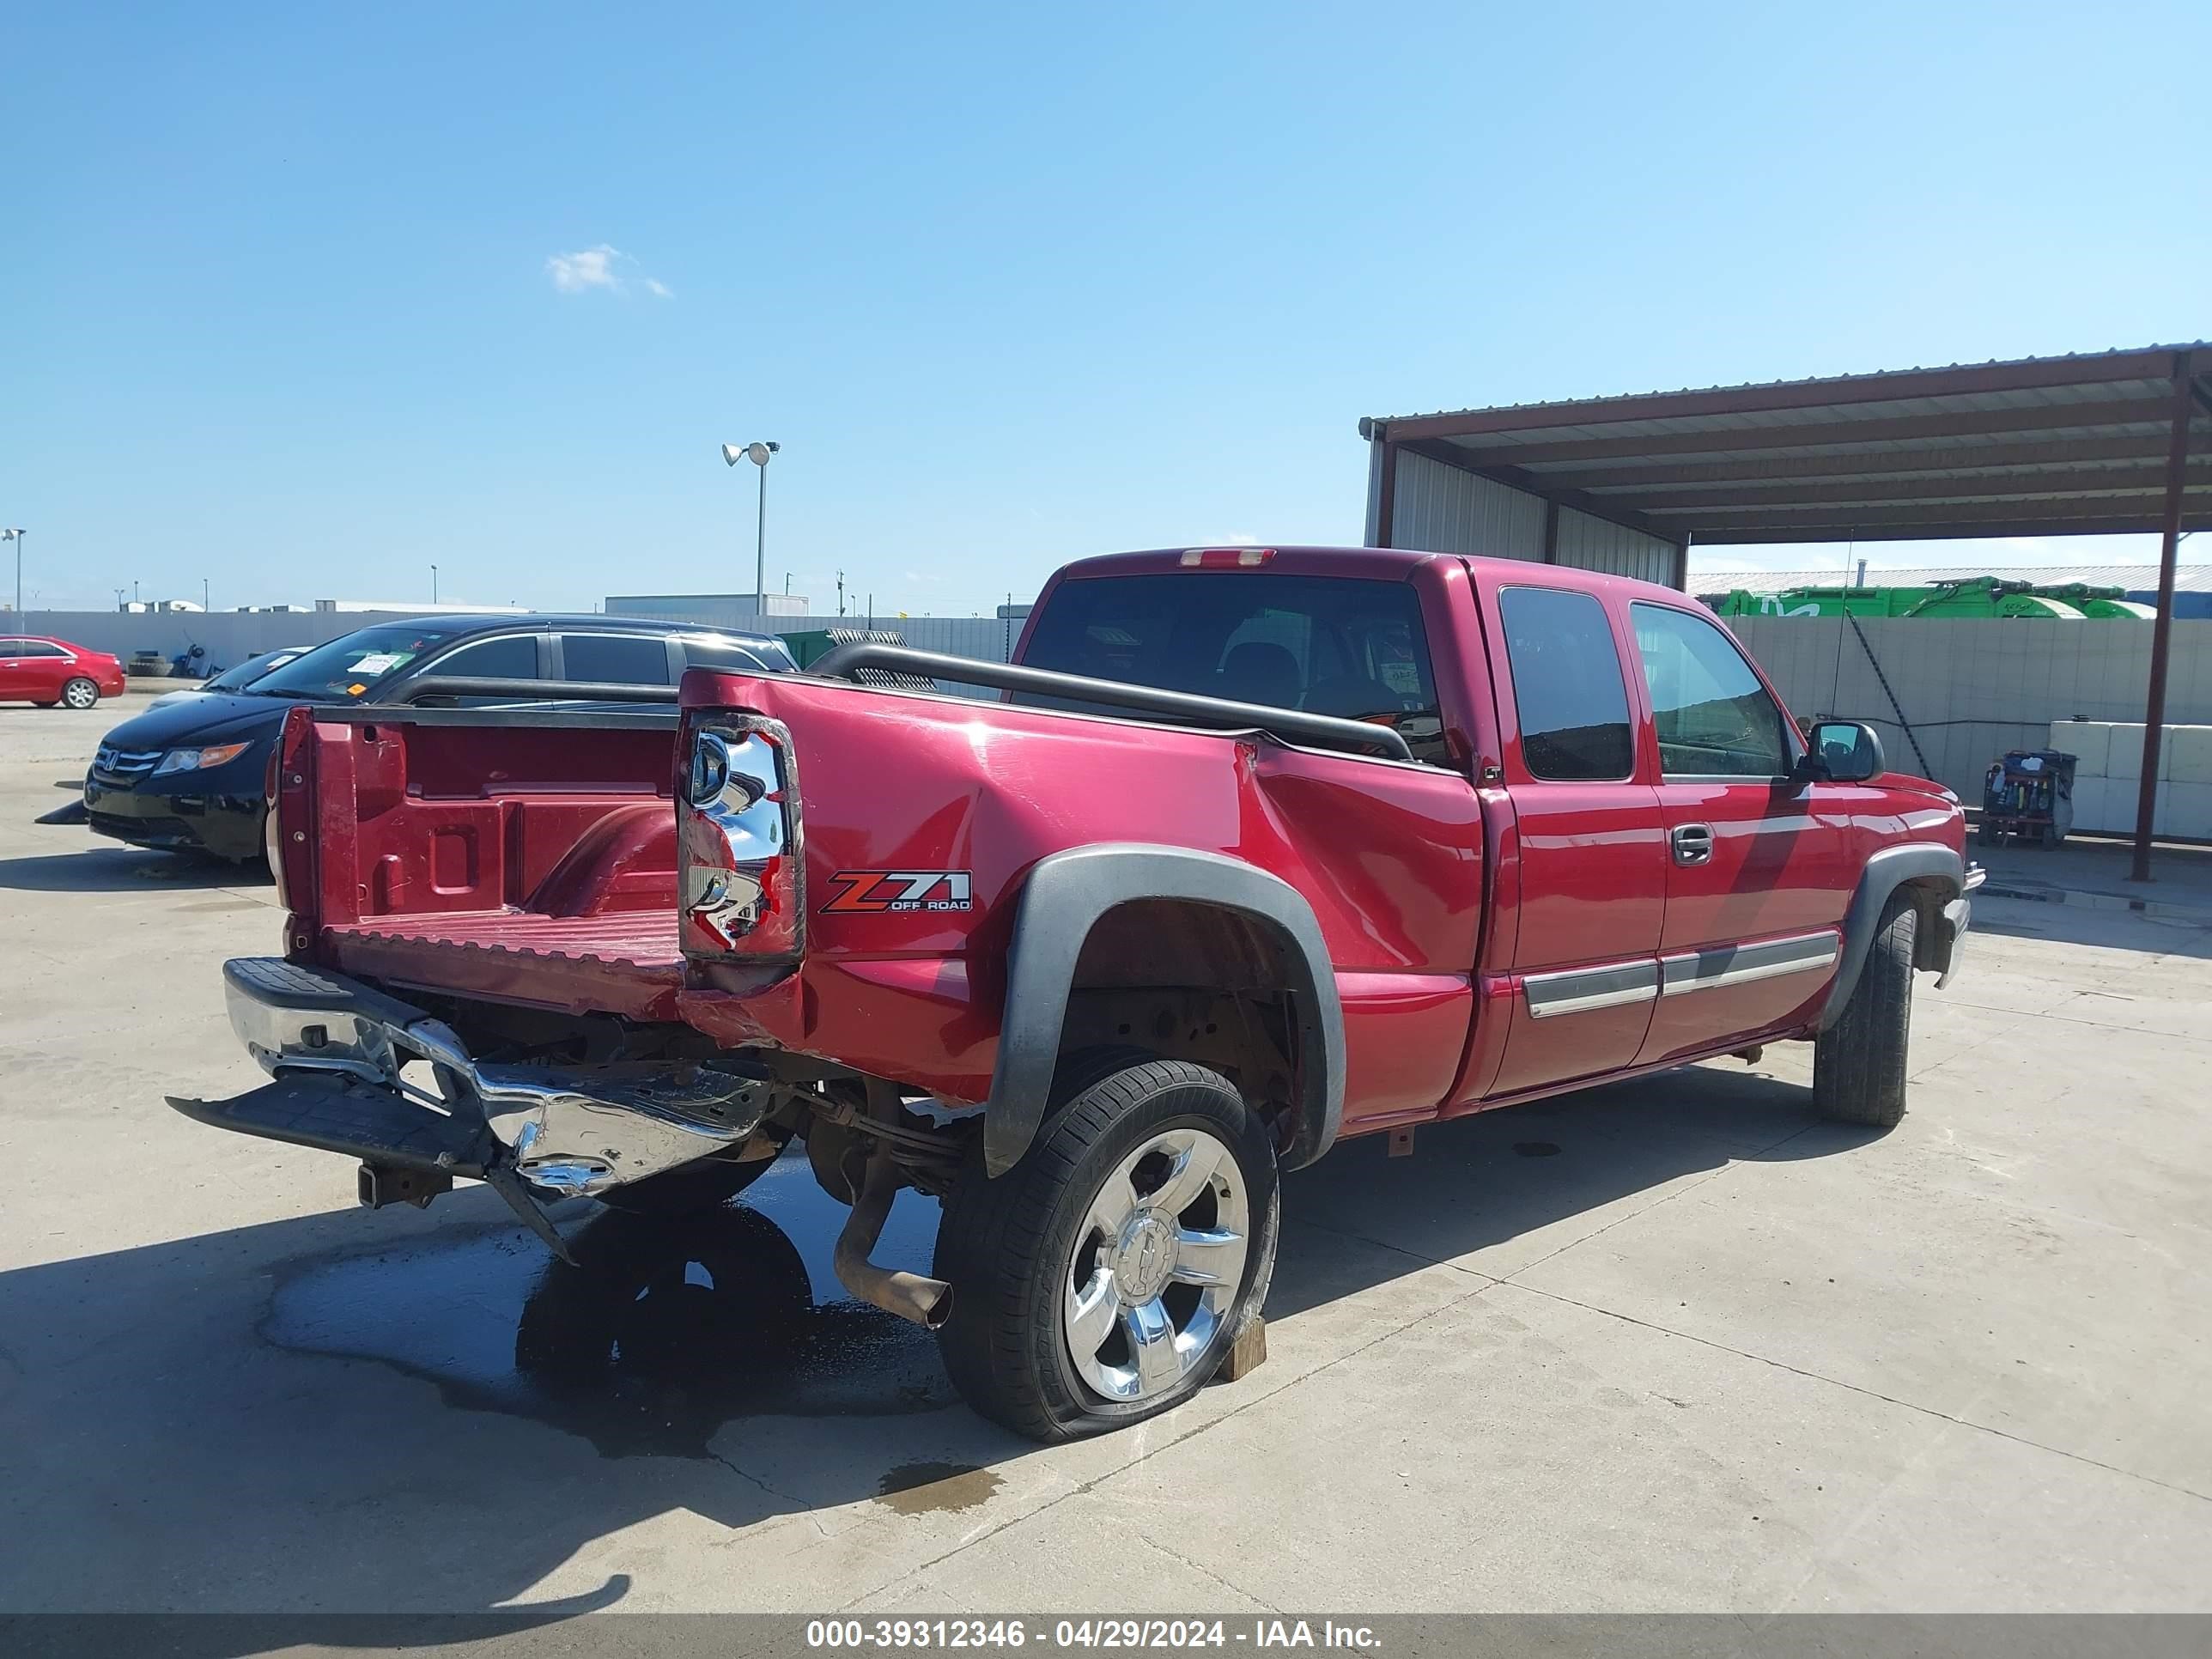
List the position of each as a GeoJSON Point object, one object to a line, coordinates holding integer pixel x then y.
{"type": "Point", "coordinates": [927, 1302]}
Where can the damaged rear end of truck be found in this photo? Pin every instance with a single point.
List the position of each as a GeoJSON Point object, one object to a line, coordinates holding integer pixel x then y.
{"type": "Point", "coordinates": [631, 954]}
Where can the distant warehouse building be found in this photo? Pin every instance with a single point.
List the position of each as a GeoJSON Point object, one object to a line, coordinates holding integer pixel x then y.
{"type": "Point", "coordinates": [740, 611]}
{"type": "Point", "coordinates": [991, 638]}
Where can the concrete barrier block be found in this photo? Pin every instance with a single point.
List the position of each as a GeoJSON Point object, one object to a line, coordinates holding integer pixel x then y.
{"type": "Point", "coordinates": [2186, 755]}
{"type": "Point", "coordinates": [2124, 757]}
{"type": "Point", "coordinates": [2089, 740]}
{"type": "Point", "coordinates": [2089, 803]}
{"type": "Point", "coordinates": [2185, 808]}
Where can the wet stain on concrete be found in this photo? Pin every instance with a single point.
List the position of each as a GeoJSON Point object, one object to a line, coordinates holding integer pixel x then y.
{"type": "Point", "coordinates": [936, 1488]}
{"type": "Point", "coordinates": [2079, 899]}
{"type": "Point", "coordinates": [1535, 1149]}
{"type": "Point", "coordinates": [664, 1330]}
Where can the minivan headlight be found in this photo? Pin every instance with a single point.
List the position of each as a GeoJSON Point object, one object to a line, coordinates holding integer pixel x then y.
{"type": "Point", "coordinates": [199, 760]}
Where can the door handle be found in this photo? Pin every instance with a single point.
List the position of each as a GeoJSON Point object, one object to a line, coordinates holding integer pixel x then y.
{"type": "Point", "coordinates": [1692, 843]}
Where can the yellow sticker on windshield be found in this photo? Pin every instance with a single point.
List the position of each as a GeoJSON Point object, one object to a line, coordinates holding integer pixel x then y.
{"type": "Point", "coordinates": [355, 689]}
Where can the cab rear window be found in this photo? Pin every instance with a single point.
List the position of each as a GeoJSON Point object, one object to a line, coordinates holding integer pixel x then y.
{"type": "Point", "coordinates": [1328, 645]}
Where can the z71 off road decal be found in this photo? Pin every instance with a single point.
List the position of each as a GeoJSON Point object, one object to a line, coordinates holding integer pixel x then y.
{"type": "Point", "coordinates": [873, 891]}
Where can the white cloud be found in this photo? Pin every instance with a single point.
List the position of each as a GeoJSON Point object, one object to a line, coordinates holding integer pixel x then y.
{"type": "Point", "coordinates": [604, 267]}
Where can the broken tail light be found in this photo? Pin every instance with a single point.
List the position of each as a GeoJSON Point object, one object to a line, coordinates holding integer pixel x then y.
{"type": "Point", "coordinates": [740, 881]}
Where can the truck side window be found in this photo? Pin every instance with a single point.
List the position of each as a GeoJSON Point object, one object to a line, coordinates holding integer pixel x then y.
{"type": "Point", "coordinates": [1567, 685]}
{"type": "Point", "coordinates": [1714, 718]}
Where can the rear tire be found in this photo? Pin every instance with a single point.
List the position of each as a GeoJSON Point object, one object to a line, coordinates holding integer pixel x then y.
{"type": "Point", "coordinates": [81, 694]}
{"type": "Point", "coordinates": [1103, 1278]}
{"type": "Point", "coordinates": [1859, 1063]}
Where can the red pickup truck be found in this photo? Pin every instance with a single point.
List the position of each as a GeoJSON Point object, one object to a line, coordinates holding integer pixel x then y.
{"type": "Point", "coordinates": [1257, 848]}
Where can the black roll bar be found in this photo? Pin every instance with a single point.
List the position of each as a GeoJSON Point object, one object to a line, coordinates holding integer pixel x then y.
{"type": "Point", "coordinates": [846, 662]}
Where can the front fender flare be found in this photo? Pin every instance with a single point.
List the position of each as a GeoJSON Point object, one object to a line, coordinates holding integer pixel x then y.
{"type": "Point", "coordinates": [1886, 871]}
{"type": "Point", "coordinates": [1064, 897]}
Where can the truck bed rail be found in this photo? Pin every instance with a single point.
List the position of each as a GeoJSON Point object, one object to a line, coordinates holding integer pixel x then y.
{"type": "Point", "coordinates": [1290, 724]}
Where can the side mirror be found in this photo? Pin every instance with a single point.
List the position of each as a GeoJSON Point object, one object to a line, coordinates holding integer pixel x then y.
{"type": "Point", "coordinates": [1843, 752]}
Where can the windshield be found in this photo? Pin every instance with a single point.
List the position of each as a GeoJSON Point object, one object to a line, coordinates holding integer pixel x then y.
{"type": "Point", "coordinates": [349, 669]}
{"type": "Point", "coordinates": [245, 674]}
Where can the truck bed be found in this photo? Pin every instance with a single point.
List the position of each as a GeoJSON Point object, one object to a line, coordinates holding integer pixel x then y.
{"type": "Point", "coordinates": [524, 855]}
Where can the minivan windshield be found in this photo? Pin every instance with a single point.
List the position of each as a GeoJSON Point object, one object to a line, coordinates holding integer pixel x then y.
{"type": "Point", "coordinates": [349, 669]}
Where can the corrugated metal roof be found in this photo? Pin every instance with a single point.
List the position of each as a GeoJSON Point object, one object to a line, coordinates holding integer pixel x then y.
{"type": "Point", "coordinates": [2091, 361]}
{"type": "Point", "coordinates": [2037, 446]}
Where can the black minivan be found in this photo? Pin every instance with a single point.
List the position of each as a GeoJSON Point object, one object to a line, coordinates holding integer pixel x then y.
{"type": "Point", "coordinates": [189, 777]}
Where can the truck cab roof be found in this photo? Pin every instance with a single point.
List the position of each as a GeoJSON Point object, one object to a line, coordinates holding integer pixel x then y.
{"type": "Point", "coordinates": [1372, 564]}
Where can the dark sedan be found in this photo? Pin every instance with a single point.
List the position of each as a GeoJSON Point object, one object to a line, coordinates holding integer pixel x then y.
{"type": "Point", "coordinates": [189, 777]}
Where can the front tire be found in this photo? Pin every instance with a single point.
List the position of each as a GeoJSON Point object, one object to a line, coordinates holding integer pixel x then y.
{"type": "Point", "coordinates": [1859, 1063]}
{"type": "Point", "coordinates": [1102, 1280]}
{"type": "Point", "coordinates": [81, 694]}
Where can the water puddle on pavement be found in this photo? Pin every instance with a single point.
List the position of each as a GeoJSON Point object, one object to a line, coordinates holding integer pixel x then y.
{"type": "Point", "coordinates": [664, 1330]}
{"type": "Point", "coordinates": [935, 1488]}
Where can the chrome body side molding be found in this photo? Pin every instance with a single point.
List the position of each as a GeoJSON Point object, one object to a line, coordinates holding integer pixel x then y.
{"type": "Point", "coordinates": [1578, 990]}
{"type": "Point", "coordinates": [1739, 964]}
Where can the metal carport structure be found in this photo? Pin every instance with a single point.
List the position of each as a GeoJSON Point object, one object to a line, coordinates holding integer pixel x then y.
{"type": "Point", "coordinates": [2103, 442]}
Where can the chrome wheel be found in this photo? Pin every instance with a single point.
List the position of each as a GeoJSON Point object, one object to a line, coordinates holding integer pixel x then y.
{"type": "Point", "coordinates": [1158, 1264]}
{"type": "Point", "coordinates": [80, 694]}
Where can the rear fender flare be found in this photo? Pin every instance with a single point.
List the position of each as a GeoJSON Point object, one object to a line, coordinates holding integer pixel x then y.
{"type": "Point", "coordinates": [1886, 871]}
{"type": "Point", "coordinates": [1066, 895]}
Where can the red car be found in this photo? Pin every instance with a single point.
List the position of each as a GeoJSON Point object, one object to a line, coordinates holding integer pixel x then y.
{"type": "Point", "coordinates": [34, 669]}
{"type": "Point", "coordinates": [1263, 849]}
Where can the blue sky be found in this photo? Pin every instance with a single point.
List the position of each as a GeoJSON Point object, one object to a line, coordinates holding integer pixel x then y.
{"type": "Point", "coordinates": [280, 305]}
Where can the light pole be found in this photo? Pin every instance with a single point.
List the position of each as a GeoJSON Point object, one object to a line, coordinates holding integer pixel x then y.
{"type": "Point", "coordinates": [757, 454]}
{"type": "Point", "coordinates": [16, 537]}
{"type": "Point", "coordinates": [204, 596]}
{"type": "Point", "coordinates": [433, 584]}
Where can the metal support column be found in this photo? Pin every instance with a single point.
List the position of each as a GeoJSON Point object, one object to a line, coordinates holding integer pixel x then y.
{"type": "Point", "coordinates": [2176, 469]}
{"type": "Point", "coordinates": [1386, 491]}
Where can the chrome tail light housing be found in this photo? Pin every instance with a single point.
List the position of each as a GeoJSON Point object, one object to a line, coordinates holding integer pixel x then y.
{"type": "Point", "coordinates": [740, 874]}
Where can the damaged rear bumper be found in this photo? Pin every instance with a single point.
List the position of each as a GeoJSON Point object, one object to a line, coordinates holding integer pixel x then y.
{"type": "Point", "coordinates": [359, 1071]}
